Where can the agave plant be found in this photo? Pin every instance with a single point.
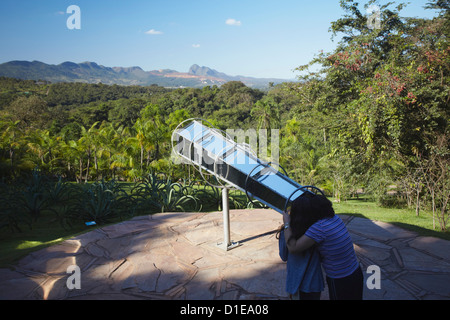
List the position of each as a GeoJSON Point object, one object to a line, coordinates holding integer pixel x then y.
{"type": "Point", "coordinates": [209, 197]}
{"type": "Point", "coordinates": [255, 204]}
{"type": "Point", "coordinates": [155, 194]}
{"type": "Point", "coordinates": [33, 199]}
{"type": "Point", "coordinates": [10, 218]}
{"type": "Point", "coordinates": [60, 195]}
{"type": "Point", "coordinates": [146, 194]}
{"type": "Point", "coordinates": [237, 200]}
{"type": "Point", "coordinates": [100, 201]}
{"type": "Point", "coordinates": [25, 203]}
{"type": "Point", "coordinates": [176, 197]}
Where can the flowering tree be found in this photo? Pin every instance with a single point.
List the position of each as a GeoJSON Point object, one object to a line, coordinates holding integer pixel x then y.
{"type": "Point", "coordinates": [384, 93]}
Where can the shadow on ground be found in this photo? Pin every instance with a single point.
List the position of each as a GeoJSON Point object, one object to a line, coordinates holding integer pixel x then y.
{"type": "Point", "coordinates": [177, 256]}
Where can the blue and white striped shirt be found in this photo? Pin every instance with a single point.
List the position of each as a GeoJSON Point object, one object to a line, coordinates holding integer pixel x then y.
{"type": "Point", "coordinates": [335, 247]}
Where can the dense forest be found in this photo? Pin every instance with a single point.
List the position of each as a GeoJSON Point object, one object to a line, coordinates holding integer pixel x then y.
{"type": "Point", "coordinates": [372, 116]}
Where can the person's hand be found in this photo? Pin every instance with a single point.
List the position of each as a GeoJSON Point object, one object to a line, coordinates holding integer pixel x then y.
{"type": "Point", "coordinates": [286, 218]}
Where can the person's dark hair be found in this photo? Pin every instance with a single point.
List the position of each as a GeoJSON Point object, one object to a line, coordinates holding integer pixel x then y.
{"type": "Point", "coordinates": [307, 210]}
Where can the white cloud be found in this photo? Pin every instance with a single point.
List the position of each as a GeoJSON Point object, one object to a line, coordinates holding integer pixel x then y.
{"type": "Point", "coordinates": [233, 22]}
{"type": "Point", "coordinates": [153, 31]}
{"type": "Point", "coordinates": [195, 46]}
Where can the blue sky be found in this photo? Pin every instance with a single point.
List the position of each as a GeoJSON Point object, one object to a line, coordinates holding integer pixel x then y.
{"type": "Point", "coordinates": [256, 38]}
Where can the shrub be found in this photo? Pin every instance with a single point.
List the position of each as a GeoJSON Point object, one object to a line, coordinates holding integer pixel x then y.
{"type": "Point", "coordinates": [101, 201]}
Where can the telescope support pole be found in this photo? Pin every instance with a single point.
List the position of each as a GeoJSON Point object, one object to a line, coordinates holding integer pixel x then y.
{"type": "Point", "coordinates": [227, 244]}
{"type": "Point", "coordinates": [226, 217]}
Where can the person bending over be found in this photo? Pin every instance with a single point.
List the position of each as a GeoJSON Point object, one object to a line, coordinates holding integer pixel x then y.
{"type": "Point", "coordinates": [328, 232]}
{"type": "Point", "coordinates": [304, 279]}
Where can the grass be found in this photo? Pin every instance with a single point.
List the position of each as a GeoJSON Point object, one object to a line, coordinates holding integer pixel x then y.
{"type": "Point", "coordinates": [404, 218]}
{"type": "Point", "coordinates": [46, 232]}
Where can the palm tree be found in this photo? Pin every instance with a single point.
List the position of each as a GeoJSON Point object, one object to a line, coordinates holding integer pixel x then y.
{"type": "Point", "coordinates": [119, 148]}
{"type": "Point", "coordinates": [11, 137]}
{"type": "Point", "coordinates": [141, 140]}
{"type": "Point", "coordinates": [45, 146]}
{"type": "Point", "coordinates": [89, 142]}
{"type": "Point", "coordinates": [266, 111]}
{"type": "Point", "coordinates": [113, 146]}
{"type": "Point", "coordinates": [74, 150]}
{"type": "Point", "coordinates": [159, 134]}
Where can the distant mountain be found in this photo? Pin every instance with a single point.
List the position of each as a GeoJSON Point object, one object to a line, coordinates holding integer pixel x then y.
{"type": "Point", "coordinates": [205, 71]}
{"type": "Point", "coordinates": [91, 72]}
{"type": "Point", "coordinates": [249, 81]}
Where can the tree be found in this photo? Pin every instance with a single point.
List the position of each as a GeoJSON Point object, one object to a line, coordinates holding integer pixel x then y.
{"type": "Point", "coordinates": [46, 147]}
{"type": "Point", "coordinates": [177, 117]}
{"type": "Point", "coordinates": [435, 171]}
{"type": "Point", "coordinates": [141, 139]}
{"type": "Point", "coordinates": [303, 152]}
{"type": "Point", "coordinates": [74, 153]}
{"type": "Point", "coordinates": [32, 112]}
{"type": "Point", "coordinates": [381, 92]}
{"type": "Point", "coordinates": [119, 156]}
{"type": "Point", "coordinates": [88, 142]}
{"type": "Point", "coordinates": [10, 141]}
{"type": "Point", "coordinates": [266, 112]}
{"type": "Point", "coordinates": [125, 112]}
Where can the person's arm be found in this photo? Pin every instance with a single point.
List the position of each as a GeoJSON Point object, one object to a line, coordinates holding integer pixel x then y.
{"type": "Point", "coordinates": [282, 248]}
{"type": "Point", "coordinates": [295, 246]}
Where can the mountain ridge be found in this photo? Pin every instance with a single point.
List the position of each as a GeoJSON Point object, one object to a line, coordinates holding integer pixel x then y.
{"type": "Point", "coordinates": [91, 72]}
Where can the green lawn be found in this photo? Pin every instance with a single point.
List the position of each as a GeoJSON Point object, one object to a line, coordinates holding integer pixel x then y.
{"type": "Point", "coordinates": [405, 218]}
{"type": "Point", "coordinates": [45, 232]}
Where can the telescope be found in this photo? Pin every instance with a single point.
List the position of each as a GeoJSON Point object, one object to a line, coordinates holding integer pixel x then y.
{"type": "Point", "coordinates": [234, 165]}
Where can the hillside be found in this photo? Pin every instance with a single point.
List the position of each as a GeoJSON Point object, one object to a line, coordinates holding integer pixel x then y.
{"type": "Point", "coordinates": [91, 72]}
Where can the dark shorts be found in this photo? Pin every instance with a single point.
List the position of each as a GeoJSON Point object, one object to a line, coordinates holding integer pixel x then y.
{"type": "Point", "coordinates": [347, 288]}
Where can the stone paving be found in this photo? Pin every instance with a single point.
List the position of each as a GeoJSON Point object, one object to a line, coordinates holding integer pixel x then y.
{"type": "Point", "coordinates": [177, 256]}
